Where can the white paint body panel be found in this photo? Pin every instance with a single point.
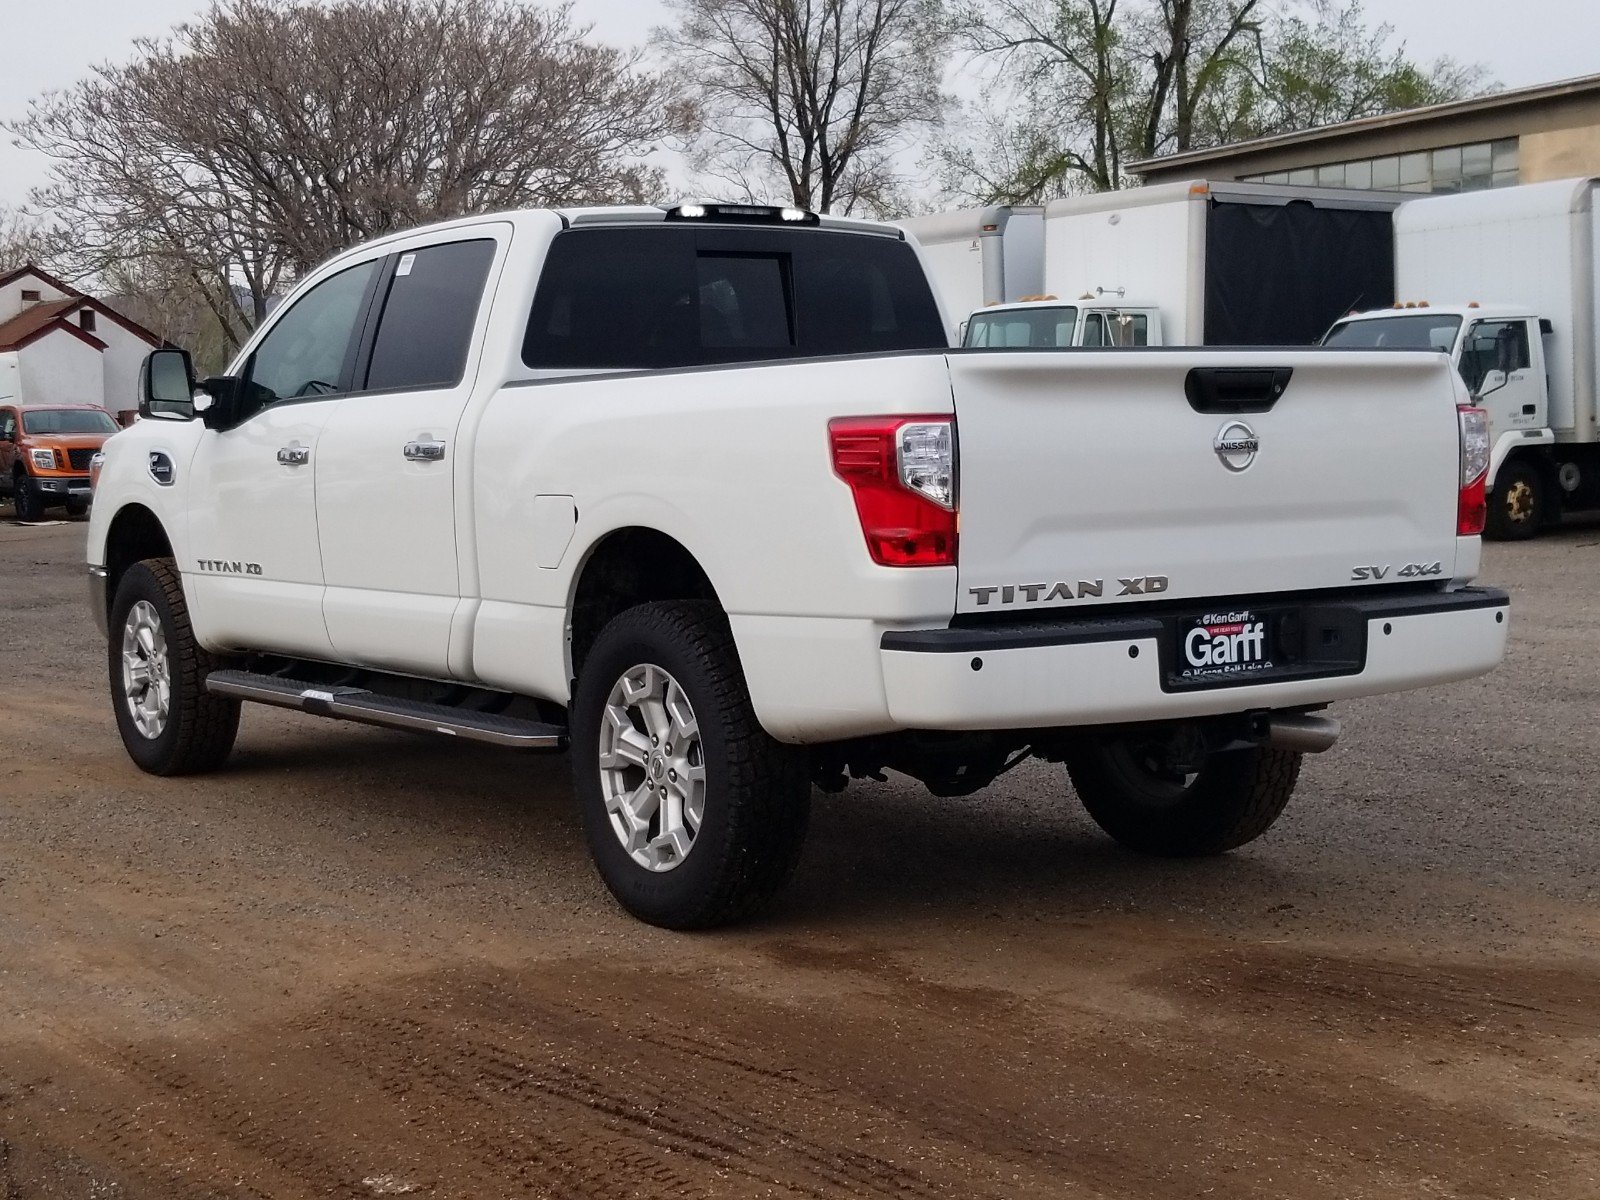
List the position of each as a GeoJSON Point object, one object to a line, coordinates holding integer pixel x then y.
{"type": "Point", "coordinates": [1116, 476]}
{"type": "Point", "coordinates": [1074, 462]}
{"type": "Point", "coordinates": [250, 509]}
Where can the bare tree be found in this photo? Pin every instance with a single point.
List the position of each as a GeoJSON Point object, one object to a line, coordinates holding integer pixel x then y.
{"type": "Point", "coordinates": [814, 101]}
{"type": "Point", "coordinates": [1079, 88]}
{"type": "Point", "coordinates": [21, 240]}
{"type": "Point", "coordinates": [262, 137]}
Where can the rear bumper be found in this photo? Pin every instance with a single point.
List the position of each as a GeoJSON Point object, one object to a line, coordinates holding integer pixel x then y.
{"type": "Point", "coordinates": [1109, 670]}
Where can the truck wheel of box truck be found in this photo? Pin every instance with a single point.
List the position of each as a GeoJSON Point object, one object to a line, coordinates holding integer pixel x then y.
{"type": "Point", "coordinates": [169, 723]}
{"type": "Point", "coordinates": [1519, 504]}
{"type": "Point", "coordinates": [694, 815]}
{"type": "Point", "coordinates": [1150, 800]}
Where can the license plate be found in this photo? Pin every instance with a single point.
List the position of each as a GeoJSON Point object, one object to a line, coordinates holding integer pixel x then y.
{"type": "Point", "coordinates": [1223, 646]}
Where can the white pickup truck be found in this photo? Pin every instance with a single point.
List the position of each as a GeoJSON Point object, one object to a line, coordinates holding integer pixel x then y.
{"type": "Point", "coordinates": [704, 493]}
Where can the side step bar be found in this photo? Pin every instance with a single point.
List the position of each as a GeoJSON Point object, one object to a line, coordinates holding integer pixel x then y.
{"type": "Point", "coordinates": [370, 708]}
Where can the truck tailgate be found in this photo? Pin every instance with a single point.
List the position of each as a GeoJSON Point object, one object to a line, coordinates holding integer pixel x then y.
{"type": "Point", "coordinates": [1089, 477]}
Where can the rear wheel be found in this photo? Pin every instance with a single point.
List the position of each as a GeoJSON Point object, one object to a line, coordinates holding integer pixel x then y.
{"type": "Point", "coordinates": [1519, 503]}
{"type": "Point", "coordinates": [169, 723]}
{"type": "Point", "coordinates": [694, 815]}
{"type": "Point", "coordinates": [1156, 796]}
{"type": "Point", "coordinates": [29, 503]}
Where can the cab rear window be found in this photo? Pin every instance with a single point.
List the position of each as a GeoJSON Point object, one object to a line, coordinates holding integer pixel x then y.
{"type": "Point", "coordinates": [668, 296]}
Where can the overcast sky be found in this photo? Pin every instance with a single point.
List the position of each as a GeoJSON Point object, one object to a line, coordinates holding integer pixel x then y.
{"type": "Point", "coordinates": [53, 44]}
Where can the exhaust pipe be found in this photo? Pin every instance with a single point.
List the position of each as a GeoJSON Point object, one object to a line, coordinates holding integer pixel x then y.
{"type": "Point", "coordinates": [1302, 732]}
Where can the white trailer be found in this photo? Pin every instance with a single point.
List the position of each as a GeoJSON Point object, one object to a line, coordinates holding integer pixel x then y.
{"type": "Point", "coordinates": [1227, 264]}
{"type": "Point", "coordinates": [1505, 281]}
{"type": "Point", "coordinates": [981, 256]}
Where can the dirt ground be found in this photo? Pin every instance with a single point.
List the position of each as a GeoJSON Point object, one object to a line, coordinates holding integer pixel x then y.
{"type": "Point", "coordinates": [358, 963]}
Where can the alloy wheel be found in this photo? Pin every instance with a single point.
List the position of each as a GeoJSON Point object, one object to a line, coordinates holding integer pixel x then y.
{"type": "Point", "coordinates": [652, 767]}
{"type": "Point", "coordinates": [146, 670]}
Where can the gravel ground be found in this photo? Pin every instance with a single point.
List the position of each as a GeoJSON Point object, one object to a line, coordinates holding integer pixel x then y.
{"type": "Point", "coordinates": [357, 963]}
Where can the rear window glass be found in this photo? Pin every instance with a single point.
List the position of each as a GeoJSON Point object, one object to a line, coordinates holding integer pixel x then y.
{"type": "Point", "coordinates": [675, 296]}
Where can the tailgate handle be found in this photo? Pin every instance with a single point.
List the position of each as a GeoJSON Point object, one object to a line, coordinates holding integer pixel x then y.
{"type": "Point", "coordinates": [1235, 389]}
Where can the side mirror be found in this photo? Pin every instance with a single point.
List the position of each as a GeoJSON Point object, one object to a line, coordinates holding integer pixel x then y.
{"type": "Point", "coordinates": [166, 385]}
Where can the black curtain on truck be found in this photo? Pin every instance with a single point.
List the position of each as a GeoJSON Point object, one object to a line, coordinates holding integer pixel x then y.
{"type": "Point", "coordinates": [1279, 275]}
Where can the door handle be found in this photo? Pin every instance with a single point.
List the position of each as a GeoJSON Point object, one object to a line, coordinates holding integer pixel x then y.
{"type": "Point", "coordinates": [424, 451]}
{"type": "Point", "coordinates": [294, 456]}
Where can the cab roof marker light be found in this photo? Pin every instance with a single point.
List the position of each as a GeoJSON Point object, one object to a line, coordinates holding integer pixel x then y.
{"type": "Point", "coordinates": [741, 214]}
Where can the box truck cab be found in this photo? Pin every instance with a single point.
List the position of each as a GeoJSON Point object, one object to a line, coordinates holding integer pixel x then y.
{"type": "Point", "coordinates": [1048, 322]}
{"type": "Point", "coordinates": [1527, 352]}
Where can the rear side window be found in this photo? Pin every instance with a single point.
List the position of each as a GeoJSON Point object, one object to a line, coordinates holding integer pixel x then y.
{"type": "Point", "coordinates": [674, 296]}
{"type": "Point", "coordinates": [1116, 329]}
{"type": "Point", "coordinates": [428, 316]}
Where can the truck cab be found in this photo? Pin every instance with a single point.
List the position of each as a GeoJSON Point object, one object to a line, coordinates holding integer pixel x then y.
{"type": "Point", "coordinates": [1499, 351]}
{"type": "Point", "coordinates": [1046, 322]}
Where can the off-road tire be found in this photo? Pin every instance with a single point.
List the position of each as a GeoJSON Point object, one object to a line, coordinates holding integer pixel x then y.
{"type": "Point", "coordinates": [1234, 799]}
{"type": "Point", "coordinates": [25, 498]}
{"type": "Point", "coordinates": [757, 791]}
{"type": "Point", "coordinates": [200, 728]}
{"type": "Point", "coordinates": [76, 506]}
{"type": "Point", "coordinates": [1519, 503]}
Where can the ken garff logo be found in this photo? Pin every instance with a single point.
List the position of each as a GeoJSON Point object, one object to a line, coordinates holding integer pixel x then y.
{"type": "Point", "coordinates": [1236, 445]}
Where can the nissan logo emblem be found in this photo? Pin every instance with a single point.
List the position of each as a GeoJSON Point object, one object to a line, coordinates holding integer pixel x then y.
{"type": "Point", "coordinates": [1236, 445]}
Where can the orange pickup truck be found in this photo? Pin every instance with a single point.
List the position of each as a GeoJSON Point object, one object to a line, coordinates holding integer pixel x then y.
{"type": "Point", "coordinates": [45, 452]}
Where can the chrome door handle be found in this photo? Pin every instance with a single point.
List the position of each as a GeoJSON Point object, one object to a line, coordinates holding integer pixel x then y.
{"type": "Point", "coordinates": [294, 456]}
{"type": "Point", "coordinates": [424, 451]}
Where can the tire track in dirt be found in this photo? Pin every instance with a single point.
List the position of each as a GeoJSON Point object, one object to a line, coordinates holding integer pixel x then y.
{"type": "Point", "coordinates": [582, 1080]}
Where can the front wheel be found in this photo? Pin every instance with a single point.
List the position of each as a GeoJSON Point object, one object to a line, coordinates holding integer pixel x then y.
{"type": "Point", "coordinates": [1518, 504]}
{"type": "Point", "coordinates": [694, 815]}
{"type": "Point", "coordinates": [1154, 802]}
{"type": "Point", "coordinates": [25, 496]}
{"type": "Point", "coordinates": [169, 723]}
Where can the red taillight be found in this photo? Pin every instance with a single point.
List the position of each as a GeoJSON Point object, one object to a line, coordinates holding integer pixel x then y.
{"type": "Point", "coordinates": [1472, 507]}
{"type": "Point", "coordinates": [901, 471]}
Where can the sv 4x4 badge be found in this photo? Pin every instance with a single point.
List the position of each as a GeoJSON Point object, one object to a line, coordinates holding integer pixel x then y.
{"type": "Point", "coordinates": [1409, 571]}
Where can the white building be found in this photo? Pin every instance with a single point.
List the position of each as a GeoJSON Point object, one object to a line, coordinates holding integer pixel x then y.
{"type": "Point", "coordinates": [60, 346]}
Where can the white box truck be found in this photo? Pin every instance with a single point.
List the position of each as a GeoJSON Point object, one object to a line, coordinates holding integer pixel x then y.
{"type": "Point", "coordinates": [981, 256]}
{"type": "Point", "coordinates": [1226, 264]}
{"type": "Point", "coordinates": [1505, 281]}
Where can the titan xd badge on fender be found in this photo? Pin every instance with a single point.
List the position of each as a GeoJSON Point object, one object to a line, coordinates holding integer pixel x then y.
{"type": "Point", "coordinates": [1236, 445]}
